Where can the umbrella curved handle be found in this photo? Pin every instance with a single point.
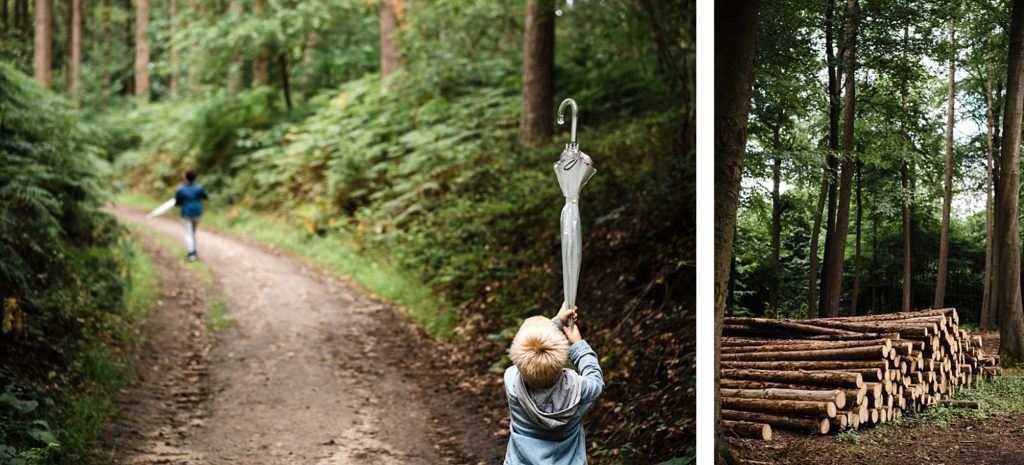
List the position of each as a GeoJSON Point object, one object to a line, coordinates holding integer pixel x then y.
{"type": "Point", "coordinates": [561, 119]}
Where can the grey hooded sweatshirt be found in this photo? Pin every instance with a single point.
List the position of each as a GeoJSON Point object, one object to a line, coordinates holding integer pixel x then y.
{"type": "Point", "coordinates": [546, 425]}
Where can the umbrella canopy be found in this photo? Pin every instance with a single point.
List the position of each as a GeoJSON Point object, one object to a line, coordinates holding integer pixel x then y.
{"type": "Point", "coordinates": [573, 169]}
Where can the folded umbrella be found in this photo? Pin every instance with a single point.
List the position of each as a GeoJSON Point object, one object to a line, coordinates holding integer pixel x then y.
{"type": "Point", "coordinates": [573, 169]}
{"type": "Point", "coordinates": [161, 209]}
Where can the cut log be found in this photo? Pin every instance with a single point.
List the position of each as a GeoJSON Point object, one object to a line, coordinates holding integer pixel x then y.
{"type": "Point", "coordinates": [791, 407]}
{"type": "Point", "coordinates": [827, 379]}
{"type": "Point", "coordinates": [835, 396]}
{"type": "Point", "coordinates": [807, 425]}
{"type": "Point", "coordinates": [846, 353]}
{"type": "Point", "coordinates": [749, 430]}
{"type": "Point", "coordinates": [971, 404]}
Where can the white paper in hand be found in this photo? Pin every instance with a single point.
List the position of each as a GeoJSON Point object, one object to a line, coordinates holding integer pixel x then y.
{"type": "Point", "coordinates": [161, 209]}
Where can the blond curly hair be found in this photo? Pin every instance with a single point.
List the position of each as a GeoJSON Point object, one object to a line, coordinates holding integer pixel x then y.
{"type": "Point", "coordinates": [540, 351]}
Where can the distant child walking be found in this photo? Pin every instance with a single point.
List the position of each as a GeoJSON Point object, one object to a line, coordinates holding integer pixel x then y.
{"type": "Point", "coordinates": [189, 197]}
{"type": "Point", "coordinates": [546, 400]}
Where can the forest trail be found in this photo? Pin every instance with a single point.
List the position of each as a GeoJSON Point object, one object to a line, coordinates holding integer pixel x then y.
{"type": "Point", "coordinates": [310, 371]}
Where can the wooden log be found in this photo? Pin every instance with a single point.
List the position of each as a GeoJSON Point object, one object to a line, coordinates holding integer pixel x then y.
{"type": "Point", "coordinates": [846, 353]}
{"type": "Point", "coordinates": [832, 365]}
{"type": "Point", "coordinates": [971, 404]}
{"type": "Point", "coordinates": [806, 425]}
{"type": "Point", "coordinates": [787, 346]}
{"type": "Point", "coordinates": [839, 422]}
{"type": "Point", "coordinates": [790, 407]}
{"type": "Point", "coordinates": [835, 395]}
{"type": "Point", "coordinates": [867, 374]}
{"type": "Point", "coordinates": [827, 379]}
{"type": "Point", "coordinates": [749, 430]}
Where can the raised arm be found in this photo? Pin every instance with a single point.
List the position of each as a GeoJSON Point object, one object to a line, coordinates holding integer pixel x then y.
{"type": "Point", "coordinates": [586, 362]}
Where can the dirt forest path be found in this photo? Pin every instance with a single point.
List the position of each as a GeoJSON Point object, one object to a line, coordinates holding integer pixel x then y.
{"type": "Point", "coordinates": [311, 371]}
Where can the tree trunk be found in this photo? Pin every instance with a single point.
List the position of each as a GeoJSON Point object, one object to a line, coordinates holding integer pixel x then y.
{"type": "Point", "coordinates": [812, 285]}
{"type": "Point", "coordinates": [172, 85]}
{"type": "Point", "coordinates": [538, 72]}
{"type": "Point", "coordinates": [735, 45]}
{"type": "Point", "coordinates": [1011, 317]}
{"type": "Point", "coordinates": [832, 160]}
{"type": "Point", "coordinates": [107, 42]}
{"type": "Point", "coordinates": [261, 67]}
{"type": "Point", "coordinates": [4, 24]}
{"type": "Point", "coordinates": [235, 67]}
{"type": "Point", "coordinates": [907, 199]}
{"type": "Point", "coordinates": [773, 292]}
{"type": "Point", "coordinates": [312, 41]}
{"type": "Point", "coordinates": [75, 54]}
{"type": "Point", "coordinates": [129, 44]}
{"type": "Point", "coordinates": [833, 272]}
{"type": "Point", "coordinates": [42, 58]}
{"type": "Point", "coordinates": [193, 59]}
{"type": "Point", "coordinates": [874, 258]}
{"type": "Point", "coordinates": [857, 256]}
{"type": "Point", "coordinates": [987, 320]}
{"type": "Point", "coordinates": [947, 198]}
{"type": "Point", "coordinates": [390, 56]}
{"type": "Point", "coordinates": [282, 61]}
{"type": "Point", "coordinates": [142, 52]}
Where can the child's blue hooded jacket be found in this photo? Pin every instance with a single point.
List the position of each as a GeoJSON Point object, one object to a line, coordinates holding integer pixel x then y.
{"type": "Point", "coordinates": [189, 197]}
{"type": "Point", "coordinates": [547, 424]}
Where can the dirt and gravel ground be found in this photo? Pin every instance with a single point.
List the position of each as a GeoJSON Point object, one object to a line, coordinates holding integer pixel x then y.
{"type": "Point", "coordinates": [311, 371]}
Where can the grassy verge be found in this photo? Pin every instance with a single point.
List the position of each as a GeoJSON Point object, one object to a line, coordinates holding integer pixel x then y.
{"type": "Point", "coordinates": [335, 253]}
{"type": "Point", "coordinates": [217, 318]}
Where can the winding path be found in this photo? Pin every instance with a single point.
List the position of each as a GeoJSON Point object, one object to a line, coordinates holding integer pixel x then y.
{"type": "Point", "coordinates": [306, 374]}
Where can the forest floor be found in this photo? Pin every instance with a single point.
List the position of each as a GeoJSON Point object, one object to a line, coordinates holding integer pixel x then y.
{"type": "Point", "coordinates": [939, 437]}
{"type": "Point", "coordinates": [302, 368]}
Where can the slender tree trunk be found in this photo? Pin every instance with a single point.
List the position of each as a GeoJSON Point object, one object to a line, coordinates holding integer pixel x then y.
{"type": "Point", "coordinates": [107, 42]}
{"type": "Point", "coordinates": [172, 85]}
{"type": "Point", "coordinates": [857, 257]}
{"type": "Point", "coordinates": [947, 198]}
{"type": "Point", "coordinates": [812, 285]}
{"type": "Point", "coordinates": [874, 258]}
{"type": "Point", "coordinates": [735, 45]}
{"type": "Point", "coordinates": [773, 292]}
{"type": "Point", "coordinates": [25, 23]}
{"type": "Point", "coordinates": [832, 160]}
{"type": "Point", "coordinates": [142, 52]}
{"type": "Point", "coordinates": [312, 41]}
{"type": "Point", "coordinates": [42, 47]}
{"type": "Point", "coordinates": [193, 58]}
{"type": "Point", "coordinates": [282, 60]}
{"type": "Point", "coordinates": [4, 20]}
{"type": "Point", "coordinates": [390, 54]}
{"type": "Point", "coordinates": [907, 197]}
{"type": "Point", "coordinates": [538, 72]}
{"type": "Point", "coordinates": [75, 54]}
{"type": "Point", "coordinates": [261, 67]}
{"type": "Point", "coordinates": [987, 320]}
{"type": "Point", "coordinates": [834, 267]}
{"type": "Point", "coordinates": [235, 67]}
{"type": "Point", "coordinates": [1011, 316]}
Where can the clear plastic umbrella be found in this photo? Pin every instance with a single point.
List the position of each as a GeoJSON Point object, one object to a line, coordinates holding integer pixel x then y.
{"type": "Point", "coordinates": [573, 169]}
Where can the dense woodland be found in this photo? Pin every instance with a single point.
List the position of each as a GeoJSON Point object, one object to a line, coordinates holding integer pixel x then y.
{"type": "Point", "coordinates": [867, 160]}
{"type": "Point", "coordinates": [422, 132]}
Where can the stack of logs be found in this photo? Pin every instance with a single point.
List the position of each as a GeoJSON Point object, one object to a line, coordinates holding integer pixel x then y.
{"type": "Point", "coordinates": [827, 374]}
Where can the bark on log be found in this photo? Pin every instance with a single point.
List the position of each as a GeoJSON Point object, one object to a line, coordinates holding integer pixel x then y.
{"type": "Point", "coordinates": [749, 430]}
{"type": "Point", "coordinates": [791, 407]}
{"type": "Point", "coordinates": [810, 425]}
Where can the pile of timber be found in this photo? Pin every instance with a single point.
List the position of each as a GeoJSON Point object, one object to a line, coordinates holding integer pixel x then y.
{"type": "Point", "coordinates": [828, 374]}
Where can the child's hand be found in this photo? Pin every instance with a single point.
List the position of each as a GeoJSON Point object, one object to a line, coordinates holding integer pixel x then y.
{"type": "Point", "coordinates": [564, 313]}
{"type": "Point", "coordinates": [573, 334]}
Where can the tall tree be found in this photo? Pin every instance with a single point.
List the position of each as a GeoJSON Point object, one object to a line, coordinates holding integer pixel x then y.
{"type": "Point", "coordinates": [235, 66]}
{"type": "Point", "coordinates": [906, 195]}
{"type": "Point", "coordinates": [1008, 289]}
{"type": "Point", "coordinates": [142, 52]}
{"type": "Point", "coordinates": [947, 197]}
{"type": "Point", "coordinates": [4, 24]}
{"type": "Point", "coordinates": [172, 84]}
{"type": "Point", "coordinates": [42, 45]}
{"type": "Point", "coordinates": [193, 58]}
{"type": "Point", "coordinates": [857, 256]}
{"type": "Point", "coordinates": [735, 46]}
{"type": "Point", "coordinates": [75, 52]}
{"type": "Point", "coordinates": [107, 43]}
{"type": "Point", "coordinates": [988, 317]}
{"type": "Point", "coordinates": [773, 292]}
{"type": "Point", "coordinates": [261, 66]}
{"type": "Point", "coordinates": [390, 56]}
{"type": "Point", "coordinates": [832, 159]}
{"type": "Point", "coordinates": [538, 72]}
{"type": "Point", "coordinates": [832, 275]}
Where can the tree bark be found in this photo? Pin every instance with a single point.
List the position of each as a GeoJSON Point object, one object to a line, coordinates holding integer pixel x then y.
{"type": "Point", "coordinates": [857, 255]}
{"type": "Point", "coordinates": [286, 87]}
{"type": "Point", "coordinates": [735, 46]}
{"type": "Point", "coordinates": [4, 18]}
{"type": "Point", "coordinates": [832, 160]}
{"type": "Point", "coordinates": [261, 66]}
{"type": "Point", "coordinates": [129, 44]}
{"type": "Point", "coordinates": [142, 52]}
{"type": "Point", "coordinates": [812, 285]}
{"type": "Point", "coordinates": [906, 200]}
{"type": "Point", "coordinates": [235, 67]}
{"type": "Point", "coordinates": [538, 72]}
{"type": "Point", "coordinates": [390, 54]}
{"type": "Point", "coordinates": [75, 54]}
{"type": "Point", "coordinates": [746, 429]}
{"type": "Point", "coordinates": [1011, 319]}
{"type": "Point", "coordinates": [193, 59]}
{"type": "Point", "coordinates": [947, 198]}
{"type": "Point", "coordinates": [312, 41]}
{"type": "Point", "coordinates": [107, 42]}
{"type": "Point", "coordinates": [803, 425]}
{"type": "Point", "coordinates": [987, 320]}
{"type": "Point", "coordinates": [42, 46]}
{"type": "Point", "coordinates": [773, 292]}
{"type": "Point", "coordinates": [833, 272]}
{"type": "Point", "coordinates": [172, 85]}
